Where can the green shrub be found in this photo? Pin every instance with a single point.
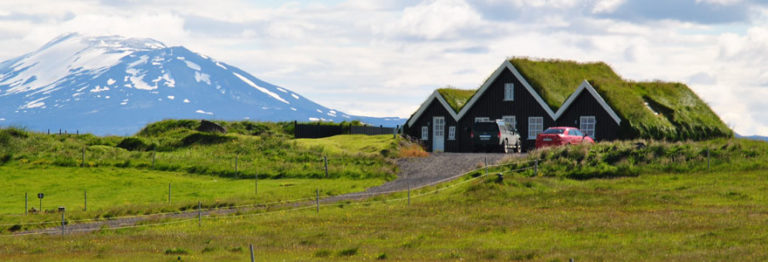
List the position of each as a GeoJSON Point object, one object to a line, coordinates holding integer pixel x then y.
{"type": "Point", "coordinates": [176, 251]}
{"type": "Point", "coordinates": [135, 144]}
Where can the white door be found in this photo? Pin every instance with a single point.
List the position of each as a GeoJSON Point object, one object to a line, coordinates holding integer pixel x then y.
{"type": "Point", "coordinates": [438, 134]}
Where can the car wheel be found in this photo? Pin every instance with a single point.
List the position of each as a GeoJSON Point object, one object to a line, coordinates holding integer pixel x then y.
{"type": "Point", "coordinates": [517, 147]}
{"type": "Point", "coordinates": [504, 147]}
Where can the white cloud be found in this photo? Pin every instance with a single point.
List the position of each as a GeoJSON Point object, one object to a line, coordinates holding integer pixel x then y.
{"type": "Point", "coordinates": [385, 57]}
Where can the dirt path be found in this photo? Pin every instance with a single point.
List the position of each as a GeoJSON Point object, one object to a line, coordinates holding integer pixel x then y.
{"type": "Point", "coordinates": [418, 172]}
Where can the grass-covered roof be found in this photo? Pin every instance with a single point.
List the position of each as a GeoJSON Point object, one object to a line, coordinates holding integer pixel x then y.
{"type": "Point", "coordinates": [455, 97]}
{"type": "Point", "coordinates": [660, 110]}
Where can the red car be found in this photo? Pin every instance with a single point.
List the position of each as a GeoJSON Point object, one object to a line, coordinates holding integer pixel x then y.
{"type": "Point", "coordinates": [562, 135]}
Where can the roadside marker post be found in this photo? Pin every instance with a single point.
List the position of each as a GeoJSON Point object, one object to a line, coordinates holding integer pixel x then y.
{"type": "Point", "coordinates": [169, 193]}
{"type": "Point", "coordinates": [317, 200]}
{"type": "Point", "coordinates": [85, 200]}
{"type": "Point", "coordinates": [486, 165]}
{"type": "Point", "coordinates": [26, 203]}
{"type": "Point", "coordinates": [536, 168]}
{"type": "Point", "coordinates": [199, 214]}
{"type": "Point", "coordinates": [40, 196]}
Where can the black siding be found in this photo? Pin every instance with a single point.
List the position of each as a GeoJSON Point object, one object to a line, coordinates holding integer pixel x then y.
{"type": "Point", "coordinates": [435, 108]}
{"type": "Point", "coordinates": [586, 105]}
{"type": "Point", "coordinates": [491, 104]}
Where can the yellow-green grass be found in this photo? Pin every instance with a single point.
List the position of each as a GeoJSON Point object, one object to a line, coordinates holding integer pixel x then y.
{"type": "Point", "coordinates": [114, 192]}
{"type": "Point", "coordinates": [455, 97]}
{"type": "Point", "coordinates": [662, 217]}
{"type": "Point", "coordinates": [268, 155]}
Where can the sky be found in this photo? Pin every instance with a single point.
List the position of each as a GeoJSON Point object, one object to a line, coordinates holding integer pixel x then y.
{"type": "Point", "coordinates": [384, 58]}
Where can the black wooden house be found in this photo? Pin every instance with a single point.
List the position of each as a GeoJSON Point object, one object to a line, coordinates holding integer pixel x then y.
{"type": "Point", "coordinates": [444, 124]}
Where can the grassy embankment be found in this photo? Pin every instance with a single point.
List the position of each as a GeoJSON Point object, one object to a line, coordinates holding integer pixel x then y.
{"type": "Point", "coordinates": [679, 215]}
{"type": "Point", "coordinates": [120, 180]}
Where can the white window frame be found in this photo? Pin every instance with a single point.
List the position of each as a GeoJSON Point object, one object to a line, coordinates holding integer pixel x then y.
{"type": "Point", "coordinates": [588, 125]}
{"type": "Point", "coordinates": [509, 92]}
{"type": "Point", "coordinates": [482, 119]}
{"type": "Point", "coordinates": [438, 129]}
{"type": "Point", "coordinates": [535, 126]}
{"type": "Point", "coordinates": [424, 133]}
{"type": "Point", "coordinates": [512, 124]}
{"type": "Point", "coordinates": [451, 132]}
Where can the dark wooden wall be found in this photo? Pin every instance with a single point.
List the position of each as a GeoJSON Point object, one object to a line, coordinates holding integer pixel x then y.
{"type": "Point", "coordinates": [434, 109]}
{"type": "Point", "coordinates": [491, 104]}
{"type": "Point", "coordinates": [586, 105]}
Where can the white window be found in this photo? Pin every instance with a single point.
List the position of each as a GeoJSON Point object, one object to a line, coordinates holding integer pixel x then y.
{"type": "Point", "coordinates": [424, 133]}
{"type": "Point", "coordinates": [439, 127]}
{"type": "Point", "coordinates": [510, 121]}
{"type": "Point", "coordinates": [535, 126]}
{"type": "Point", "coordinates": [587, 125]}
{"type": "Point", "coordinates": [482, 119]}
{"type": "Point", "coordinates": [509, 92]}
{"type": "Point", "coordinates": [452, 133]}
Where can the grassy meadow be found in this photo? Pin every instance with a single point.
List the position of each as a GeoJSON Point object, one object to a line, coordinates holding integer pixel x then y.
{"type": "Point", "coordinates": [658, 217]}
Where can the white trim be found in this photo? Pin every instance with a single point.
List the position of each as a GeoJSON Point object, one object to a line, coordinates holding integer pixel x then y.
{"type": "Point", "coordinates": [423, 107]}
{"type": "Point", "coordinates": [510, 67]}
{"type": "Point", "coordinates": [586, 86]}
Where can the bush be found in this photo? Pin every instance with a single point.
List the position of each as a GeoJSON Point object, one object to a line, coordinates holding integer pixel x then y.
{"type": "Point", "coordinates": [176, 251]}
{"type": "Point", "coordinates": [135, 144]}
{"type": "Point", "coordinates": [205, 139]}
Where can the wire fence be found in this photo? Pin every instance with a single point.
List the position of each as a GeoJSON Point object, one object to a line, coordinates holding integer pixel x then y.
{"type": "Point", "coordinates": [302, 204]}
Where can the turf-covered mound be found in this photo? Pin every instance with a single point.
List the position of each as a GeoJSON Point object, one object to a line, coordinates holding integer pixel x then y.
{"type": "Point", "coordinates": [630, 158]}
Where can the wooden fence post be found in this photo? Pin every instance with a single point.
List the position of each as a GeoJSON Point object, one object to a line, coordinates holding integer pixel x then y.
{"type": "Point", "coordinates": [325, 160]}
{"type": "Point", "coordinates": [199, 214]}
{"type": "Point", "coordinates": [82, 162]}
{"type": "Point", "coordinates": [169, 193]}
{"type": "Point", "coordinates": [62, 223]}
{"type": "Point", "coordinates": [85, 200]}
{"type": "Point", "coordinates": [252, 258]}
{"type": "Point", "coordinates": [26, 203]}
{"type": "Point", "coordinates": [409, 193]}
{"type": "Point", "coordinates": [536, 168]}
{"type": "Point", "coordinates": [317, 200]}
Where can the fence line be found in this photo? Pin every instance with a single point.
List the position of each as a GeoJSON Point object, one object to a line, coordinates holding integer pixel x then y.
{"type": "Point", "coordinates": [421, 194]}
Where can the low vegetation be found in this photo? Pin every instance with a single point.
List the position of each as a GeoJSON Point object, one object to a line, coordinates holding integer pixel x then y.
{"type": "Point", "coordinates": [651, 217]}
{"type": "Point", "coordinates": [631, 158]}
{"type": "Point", "coordinates": [248, 149]}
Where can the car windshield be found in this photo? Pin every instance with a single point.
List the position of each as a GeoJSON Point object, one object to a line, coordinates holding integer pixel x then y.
{"type": "Point", "coordinates": [486, 127]}
{"type": "Point", "coordinates": [554, 131]}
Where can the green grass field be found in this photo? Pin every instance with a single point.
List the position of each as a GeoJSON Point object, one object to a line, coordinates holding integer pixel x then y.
{"type": "Point", "coordinates": [661, 217]}
{"type": "Point", "coordinates": [114, 192]}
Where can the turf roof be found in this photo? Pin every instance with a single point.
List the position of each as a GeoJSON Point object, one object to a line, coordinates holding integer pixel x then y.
{"type": "Point", "coordinates": [455, 97]}
{"type": "Point", "coordinates": [660, 110]}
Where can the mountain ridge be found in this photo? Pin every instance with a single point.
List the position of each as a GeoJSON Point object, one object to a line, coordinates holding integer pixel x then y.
{"type": "Point", "coordinates": [116, 85]}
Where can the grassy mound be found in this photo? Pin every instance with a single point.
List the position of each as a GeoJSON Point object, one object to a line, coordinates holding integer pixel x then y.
{"type": "Point", "coordinates": [630, 158]}
{"type": "Point", "coordinates": [248, 149]}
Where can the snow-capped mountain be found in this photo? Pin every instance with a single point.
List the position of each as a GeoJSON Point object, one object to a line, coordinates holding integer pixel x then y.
{"type": "Point", "coordinates": [116, 85]}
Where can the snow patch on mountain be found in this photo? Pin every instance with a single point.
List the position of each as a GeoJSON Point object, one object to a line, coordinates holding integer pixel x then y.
{"type": "Point", "coordinates": [263, 90]}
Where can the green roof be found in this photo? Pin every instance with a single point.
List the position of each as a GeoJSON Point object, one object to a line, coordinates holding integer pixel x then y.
{"type": "Point", "coordinates": [660, 110]}
{"type": "Point", "coordinates": [455, 97]}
